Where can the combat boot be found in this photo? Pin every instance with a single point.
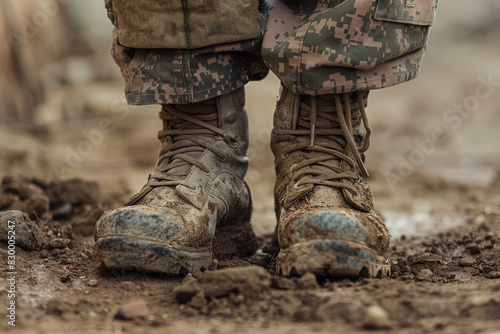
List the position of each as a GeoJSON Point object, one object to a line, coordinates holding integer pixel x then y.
{"type": "Point", "coordinates": [326, 221]}
{"type": "Point", "coordinates": [195, 206]}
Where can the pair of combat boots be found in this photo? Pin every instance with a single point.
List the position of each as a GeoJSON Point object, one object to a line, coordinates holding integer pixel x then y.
{"type": "Point", "coordinates": [196, 205]}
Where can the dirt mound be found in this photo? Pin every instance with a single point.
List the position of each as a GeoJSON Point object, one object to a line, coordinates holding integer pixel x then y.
{"type": "Point", "coordinates": [61, 210]}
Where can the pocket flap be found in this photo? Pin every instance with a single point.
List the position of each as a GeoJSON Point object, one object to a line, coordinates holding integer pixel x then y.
{"type": "Point", "coordinates": [176, 24]}
{"type": "Point", "coordinates": [418, 12]}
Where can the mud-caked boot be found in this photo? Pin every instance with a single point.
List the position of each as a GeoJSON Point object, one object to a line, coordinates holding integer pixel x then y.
{"type": "Point", "coordinates": [326, 221]}
{"type": "Point", "coordinates": [195, 206]}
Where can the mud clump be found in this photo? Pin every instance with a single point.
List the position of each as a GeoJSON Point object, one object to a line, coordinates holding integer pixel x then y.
{"type": "Point", "coordinates": [421, 261]}
{"type": "Point", "coordinates": [24, 196]}
{"type": "Point", "coordinates": [449, 256]}
{"type": "Point", "coordinates": [307, 281]}
{"type": "Point", "coordinates": [56, 210]}
{"type": "Point", "coordinates": [136, 309]}
{"type": "Point", "coordinates": [250, 282]}
{"type": "Point", "coordinates": [46, 199]}
{"type": "Point", "coordinates": [493, 275]}
{"type": "Point", "coordinates": [75, 192]}
{"type": "Point", "coordinates": [17, 226]}
{"type": "Point", "coordinates": [425, 275]}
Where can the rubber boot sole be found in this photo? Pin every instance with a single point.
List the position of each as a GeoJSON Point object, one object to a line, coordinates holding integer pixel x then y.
{"type": "Point", "coordinates": [148, 256]}
{"type": "Point", "coordinates": [124, 252]}
{"type": "Point", "coordinates": [331, 258]}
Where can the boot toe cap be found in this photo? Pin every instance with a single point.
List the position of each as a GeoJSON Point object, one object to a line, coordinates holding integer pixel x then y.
{"type": "Point", "coordinates": [140, 221]}
{"type": "Point", "coordinates": [327, 224]}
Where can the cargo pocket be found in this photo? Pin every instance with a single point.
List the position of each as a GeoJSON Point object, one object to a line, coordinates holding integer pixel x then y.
{"type": "Point", "coordinates": [416, 12]}
{"type": "Point", "coordinates": [183, 24]}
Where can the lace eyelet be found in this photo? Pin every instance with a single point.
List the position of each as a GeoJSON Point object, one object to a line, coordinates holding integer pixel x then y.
{"type": "Point", "coordinates": [190, 187]}
{"type": "Point", "coordinates": [282, 114]}
{"type": "Point", "coordinates": [223, 158]}
{"type": "Point", "coordinates": [283, 155]}
{"type": "Point", "coordinates": [234, 143]}
{"type": "Point", "coordinates": [231, 118]}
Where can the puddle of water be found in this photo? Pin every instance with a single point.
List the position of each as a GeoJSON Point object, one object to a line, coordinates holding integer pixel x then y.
{"type": "Point", "coordinates": [419, 222]}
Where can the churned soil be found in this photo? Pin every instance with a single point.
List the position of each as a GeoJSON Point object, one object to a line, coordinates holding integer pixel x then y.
{"type": "Point", "coordinates": [447, 281]}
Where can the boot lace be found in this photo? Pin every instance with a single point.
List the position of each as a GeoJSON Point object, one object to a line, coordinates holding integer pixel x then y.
{"type": "Point", "coordinates": [333, 124]}
{"type": "Point", "coordinates": [184, 138]}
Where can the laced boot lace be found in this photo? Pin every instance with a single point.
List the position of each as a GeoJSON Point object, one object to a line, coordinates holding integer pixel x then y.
{"type": "Point", "coordinates": [329, 146]}
{"type": "Point", "coordinates": [183, 140]}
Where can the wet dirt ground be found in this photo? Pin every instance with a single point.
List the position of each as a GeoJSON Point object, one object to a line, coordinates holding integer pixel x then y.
{"type": "Point", "coordinates": [433, 162]}
{"type": "Point", "coordinates": [446, 281]}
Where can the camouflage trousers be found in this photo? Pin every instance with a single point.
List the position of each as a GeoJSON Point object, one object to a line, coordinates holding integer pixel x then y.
{"type": "Point", "coordinates": [185, 51]}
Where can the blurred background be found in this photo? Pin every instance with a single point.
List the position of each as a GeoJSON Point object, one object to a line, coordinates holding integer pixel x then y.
{"type": "Point", "coordinates": [435, 151]}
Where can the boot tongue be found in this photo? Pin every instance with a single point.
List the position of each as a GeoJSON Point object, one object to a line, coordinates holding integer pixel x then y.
{"type": "Point", "coordinates": [205, 111]}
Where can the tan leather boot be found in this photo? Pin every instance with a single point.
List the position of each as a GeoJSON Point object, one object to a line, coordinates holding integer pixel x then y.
{"type": "Point", "coordinates": [326, 221]}
{"type": "Point", "coordinates": [195, 204]}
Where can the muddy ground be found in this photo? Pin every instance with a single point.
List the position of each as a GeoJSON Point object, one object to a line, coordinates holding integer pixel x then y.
{"type": "Point", "coordinates": [445, 282]}
{"type": "Point", "coordinates": [434, 174]}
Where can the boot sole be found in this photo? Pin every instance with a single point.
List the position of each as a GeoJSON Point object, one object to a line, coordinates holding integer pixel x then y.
{"type": "Point", "coordinates": [148, 256]}
{"type": "Point", "coordinates": [122, 252]}
{"type": "Point", "coordinates": [331, 258]}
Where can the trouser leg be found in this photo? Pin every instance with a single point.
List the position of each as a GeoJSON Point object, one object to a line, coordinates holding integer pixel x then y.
{"type": "Point", "coordinates": [339, 46]}
{"type": "Point", "coordinates": [218, 50]}
{"type": "Point", "coordinates": [314, 47]}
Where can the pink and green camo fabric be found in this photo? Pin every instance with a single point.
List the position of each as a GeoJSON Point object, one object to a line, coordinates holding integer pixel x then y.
{"type": "Point", "coordinates": [314, 47]}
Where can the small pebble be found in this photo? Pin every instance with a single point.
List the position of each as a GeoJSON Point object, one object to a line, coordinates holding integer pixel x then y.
{"type": "Point", "coordinates": [376, 318]}
{"type": "Point", "coordinates": [92, 282]}
{"type": "Point", "coordinates": [127, 285]}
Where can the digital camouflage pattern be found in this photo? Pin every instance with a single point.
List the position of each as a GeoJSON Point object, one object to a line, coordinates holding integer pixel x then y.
{"type": "Point", "coordinates": [161, 76]}
{"type": "Point", "coordinates": [338, 46]}
{"type": "Point", "coordinates": [314, 47]}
